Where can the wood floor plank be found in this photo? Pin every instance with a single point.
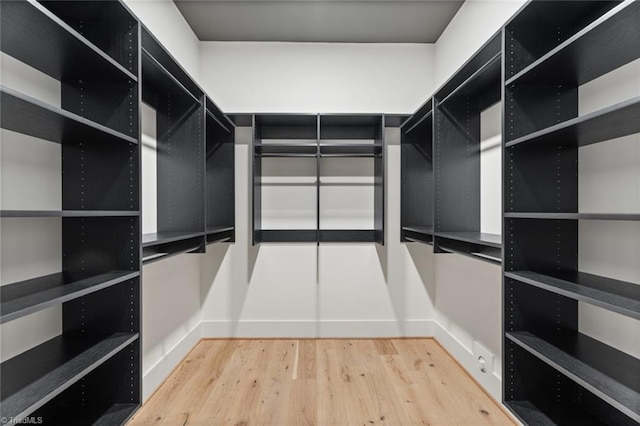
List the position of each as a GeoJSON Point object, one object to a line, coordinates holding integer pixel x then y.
{"type": "Point", "coordinates": [325, 382]}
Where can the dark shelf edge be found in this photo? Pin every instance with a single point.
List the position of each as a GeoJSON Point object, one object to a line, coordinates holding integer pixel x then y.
{"type": "Point", "coordinates": [562, 364]}
{"type": "Point", "coordinates": [26, 407]}
{"type": "Point", "coordinates": [593, 296]}
{"type": "Point", "coordinates": [171, 239]}
{"type": "Point", "coordinates": [528, 413]}
{"type": "Point", "coordinates": [574, 216]}
{"type": "Point", "coordinates": [81, 39]}
{"type": "Point", "coordinates": [575, 122]}
{"type": "Point", "coordinates": [163, 70]}
{"type": "Point", "coordinates": [565, 45]}
{"type": "Point", "coordinates": [467, 239]}
{"type": "Point", "coordinates": [67, 115]}
{"type": "Point", "coordinates": [7, 317]}
{"type": "Point", "coordinates": [69, 213]}
{"type": "Point", "coordinates": [495, 58]}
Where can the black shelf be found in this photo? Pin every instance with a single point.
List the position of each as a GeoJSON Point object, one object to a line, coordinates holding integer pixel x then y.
{"type": "Point", "coordinates": [29, 116]}
{"type": "Point", "coordinates": [286, 236]}
{"type": "Point", "coordinates": [607, 43]}
{"type": "Point", "coordinates": [536, 29]}
{"type": "Point", "coordinates": [350, 127]}
{"type": "Point", "coordinates": [52, 46]}
{"type": "Point", "coordinates": [350, 150]}
{"type": "Point", "coordinates": [173, 75]}
{"type": "Point", "coordinates": [26, 297]}
{"type": "Point", "coordinates": [531, 414]}
{"type": "Point", "coordinates": [157, 81]}
{"type": "Point", "coordinates": [484, 239]}
{"type": "Point", "coordinates": [617, 296]}
{"type": "Point", "coordinates": [574, 216]}
{"type": "Point", "coordinates": [349, 236]}
{"type": "Point", "coordinates": [115, 414]}
{"type": "Point", "coordinates": [68, 213]}
{"type": "Point", "coordinates": [105, 23]}
{"type": "Point", "coordinates": [34, 377]}
{"type": "Point", "coordinates": [285, 126]}
{"type": "Point", "coordinates": [286, 150]}
{"type": "Point", "coordinates": [220, 235]}
{"type": "Point", "coordinates": [482, 80]}
{"type": "Point", "coordinates": [609, 123]}
{"type": "Point", "coordinates": [477, 75]}
{"type": "Point", "coordinates": [155, 239]}
{"type": "Point", "coordinates": [417, 234]}
{"type": "Point", "coordinates": [604, 371]}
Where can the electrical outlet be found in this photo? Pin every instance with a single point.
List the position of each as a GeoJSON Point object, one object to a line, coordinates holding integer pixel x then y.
{"type": "Point", "coordinates": [484, 358]}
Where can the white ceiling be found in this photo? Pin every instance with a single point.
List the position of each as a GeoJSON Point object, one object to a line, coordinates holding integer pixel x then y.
{"type": "Point", "coordinates": [351, 21]}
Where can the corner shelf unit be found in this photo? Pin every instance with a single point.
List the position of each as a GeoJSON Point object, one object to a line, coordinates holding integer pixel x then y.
{"type": "Point", "coordinates": [318, 139]}
{"type": "Point", "coordinates": [195, 159]}
{"type": "Point", "coordinates": [440, 187]}
{"type": "Point", "coordinates": [94, 366]}
{"type": "Point", "coordinates": [555, 374]}
{"type": "Point", "coordinates": [177, 100]}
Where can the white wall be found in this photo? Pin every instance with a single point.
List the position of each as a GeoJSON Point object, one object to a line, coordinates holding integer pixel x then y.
{"type": "Point", "coordinates": [317, 77]}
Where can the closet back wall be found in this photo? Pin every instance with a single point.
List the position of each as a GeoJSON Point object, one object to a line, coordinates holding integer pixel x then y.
{"type": "Point", "coordinates": [301, 289]}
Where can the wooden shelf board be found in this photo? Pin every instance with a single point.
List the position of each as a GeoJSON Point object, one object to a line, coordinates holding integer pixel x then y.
{"type": "Point", "coordinates": [26, 297]}
{"type": "Point", "coordinates": [29, 116]}
{"type": "Point", "coordinates": [34, 377]}
{"type": "Point", "coordinates": [604, 371]}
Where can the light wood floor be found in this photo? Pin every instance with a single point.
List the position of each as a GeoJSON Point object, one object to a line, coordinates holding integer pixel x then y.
{"type": "Point", "coordinates": [319, 382]}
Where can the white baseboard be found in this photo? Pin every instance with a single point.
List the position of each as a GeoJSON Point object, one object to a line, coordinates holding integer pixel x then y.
{"type": "Point", "coordinates": [490, 381]}
{"type": "Point", "coordinates": [317, 329]}
{"type": "Point", "coordinates": [157, 374]}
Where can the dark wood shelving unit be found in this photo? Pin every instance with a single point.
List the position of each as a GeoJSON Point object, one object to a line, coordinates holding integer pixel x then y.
{"type": "Point", "coordinates": [554, 374]}
{"type": "Point", "coordinates": [180, 128]}
{"type": "Point", "coordinates": [321, 138]}
{"type": "Point", "coordinates": [220, 176]}
{"type": "Point", "coordinates": [457, 106]}
{"type": "Point", "coordinates": [416, 180]}
{"type": "Point", "coordinates": [97, 287]}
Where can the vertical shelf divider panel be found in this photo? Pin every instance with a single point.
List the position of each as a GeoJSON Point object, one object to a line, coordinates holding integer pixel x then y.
{"type": "Point", "coordinates": [416, 184]}
{"type": "Point", "coordinates": [456, 116]}
{"type": "Point", "coordinates": [179, 104]}
{"type": "Point", "coordinates": [94, 366]}
{"type": "Point", "coordinates": [220, 178]}
{"type": "Point", "coordinates": [555, 374]}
